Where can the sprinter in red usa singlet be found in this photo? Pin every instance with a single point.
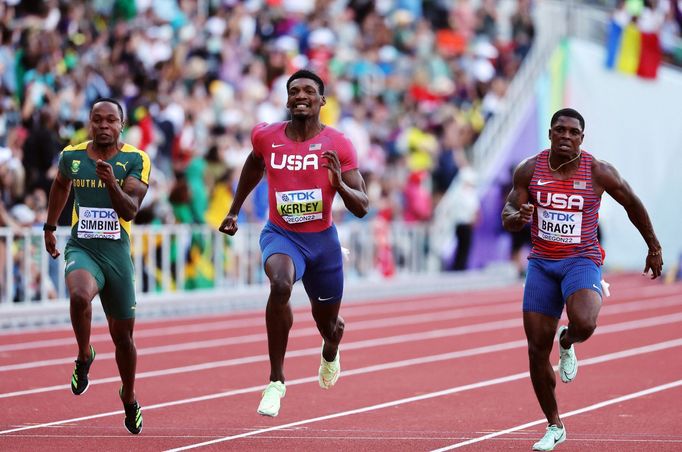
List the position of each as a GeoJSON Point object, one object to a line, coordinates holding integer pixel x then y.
{"type": "Point", "coordinates": [559, 191]}
{"type": "Point", "coordinates": [306, 164]}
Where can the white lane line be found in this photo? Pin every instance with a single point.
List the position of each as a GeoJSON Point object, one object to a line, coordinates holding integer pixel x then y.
{"type": "Point", "coordinates": [361, 345]}
{"type": "Point", "coordinates": [663, 299]}
{"type": "Point", "coordinates": [430, 396]}
{"type": "Point", "coordinates": [357, 325]}
{"type": "Point", "coordinates": [475, 309]}
{"type": "Point", "coordinates": [256, 319]}
{"type": "Point", "coordinates": [586, 409]}
{"type": "Point", "coordinates": [301, 332]}
{"type": "Point", "coordinates": [254, 389]}
{"type": "Point", "coordinates": [404, 338]}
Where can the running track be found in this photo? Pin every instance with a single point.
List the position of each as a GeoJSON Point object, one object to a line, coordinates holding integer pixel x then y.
{"type": "Point", "coordinates": [437, 372]}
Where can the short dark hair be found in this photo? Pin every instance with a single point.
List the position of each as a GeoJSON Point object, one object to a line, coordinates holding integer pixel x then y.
{"type": "Point", "coordinates": [304, 73]}
{"type": "Point", "coordinates": [571, 113]}
{"type": "Point", "coordinates": [110, 100]}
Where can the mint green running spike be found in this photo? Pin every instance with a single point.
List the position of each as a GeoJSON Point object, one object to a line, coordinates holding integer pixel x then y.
{"type": "Point", "coordinates": [568, 362]}
{"type": "Point", "coordinates": [553, 436]}
{"type": "Point", "coordinates": [329, 372]}
{"type": "Point", "coordinates": [271, 400]}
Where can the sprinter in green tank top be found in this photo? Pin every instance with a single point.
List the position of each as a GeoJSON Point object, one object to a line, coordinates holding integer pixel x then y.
{"type": "Point", "coordinates": [109, 179]}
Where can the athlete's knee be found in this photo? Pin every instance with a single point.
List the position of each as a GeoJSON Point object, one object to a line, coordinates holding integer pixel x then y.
{"type": "Point", "coordinates": [280, 288]}
{"type": "Point", "coordinates": [332, 330]}
{"type": "Point", "coordinates": [123, 340]}
{"type": "Point", "coordinates": [581, 330]}
{"type": "Point", "coordinates": [80, 298]}
{"type": "Point", "coordinates": [538, 353]}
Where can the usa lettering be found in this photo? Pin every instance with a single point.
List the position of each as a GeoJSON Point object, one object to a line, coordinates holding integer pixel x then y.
{"type": "Point", "coordinates": [561, 201]}
{"type": "Point", "coordinates": [294, 162]}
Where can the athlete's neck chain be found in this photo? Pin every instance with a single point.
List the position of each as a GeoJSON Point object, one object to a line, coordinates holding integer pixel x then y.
{"type": "Point", "coordinates": [549, 162]}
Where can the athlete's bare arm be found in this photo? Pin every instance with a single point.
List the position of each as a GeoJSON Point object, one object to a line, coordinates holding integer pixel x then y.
{"type": "Point", "coordinates": [349, 185]}
{"type": "Point", "coordinates": [518, 210]}
{"type": "Point", "coordinates": [59, 194]}
{"type": "Point", "coordinates": [251, 174]}
{"type": "Point", "coordinates": [606, 178]}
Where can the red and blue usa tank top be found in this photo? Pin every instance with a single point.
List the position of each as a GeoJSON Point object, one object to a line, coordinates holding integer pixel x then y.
{"type": "Point", "coordinates": [566, 213]}
{"type": "Point", "coordinates": [300, 194]}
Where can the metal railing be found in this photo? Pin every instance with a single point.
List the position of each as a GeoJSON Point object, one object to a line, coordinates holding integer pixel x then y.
{"type": "Point", "coordinates": [177, 258]}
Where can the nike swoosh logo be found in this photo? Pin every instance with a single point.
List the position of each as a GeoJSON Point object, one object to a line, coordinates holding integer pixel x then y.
{"type": "Point", "coordinates": [324, 299]}
{"type": "Point", "coordinates": [570, 373]}
{"type": "Point", "coordinates": [70, 264]}
{"type": "Point", "coordinates": [595, 286]}
{"type": "Point", "coordinates": [277, 145]}
{"type": "Point", "coordinates": [541, 183]}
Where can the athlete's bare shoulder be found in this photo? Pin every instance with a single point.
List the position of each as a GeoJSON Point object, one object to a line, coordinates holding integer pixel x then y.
{"type": "Point", "coordinates": [524, 171]}
{"type": "Point", "coordinates": [604, 176]}
{"type": "Point", "coordinates": [264, 136]}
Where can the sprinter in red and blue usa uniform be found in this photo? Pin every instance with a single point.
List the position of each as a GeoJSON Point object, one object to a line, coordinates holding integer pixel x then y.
{"type": "Point", "coordinates": [306, 164]}
{"type": "Point", "coordinates": [559, 191]}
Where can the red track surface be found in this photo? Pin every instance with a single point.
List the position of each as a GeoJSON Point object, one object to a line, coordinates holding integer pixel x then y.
{"type": "Point", "coordinates": [418, 374]}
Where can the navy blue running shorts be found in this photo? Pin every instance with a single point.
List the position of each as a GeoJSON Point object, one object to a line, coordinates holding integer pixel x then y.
{"type": "Point", "coordinates": [549, 283]}
{"type": "Point", "coordinates": [317, 258]}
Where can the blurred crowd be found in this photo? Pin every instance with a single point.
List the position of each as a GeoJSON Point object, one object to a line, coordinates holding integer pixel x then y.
{"type": "Point", "coordinates": [410, 82]}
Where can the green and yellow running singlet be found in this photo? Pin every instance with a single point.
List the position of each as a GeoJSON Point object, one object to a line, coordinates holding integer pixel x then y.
{"type": "Point", "coordinates": [93, 215]}
{"type": "Point", "coordinates": [100, 240]}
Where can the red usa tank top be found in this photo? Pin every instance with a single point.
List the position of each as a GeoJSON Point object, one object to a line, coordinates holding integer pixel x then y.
{"type": "Point", "coordinates": [566, 213]}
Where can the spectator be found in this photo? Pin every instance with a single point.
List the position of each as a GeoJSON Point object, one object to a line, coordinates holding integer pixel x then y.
{"type": "Point", "coordinates": [421, 77]}
{"type": "Point", "coordinates": [41, 149]}
{"type": "Point", "coordinates": [466, 208]}
{"type": "Point", "coordinates": [418, 202]}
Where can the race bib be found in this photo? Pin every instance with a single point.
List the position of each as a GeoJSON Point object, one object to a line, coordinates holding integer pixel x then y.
{"type": "Point", "coordinates": [300, 206]}
{"type": "Point", "coordinates": [98, 223]}
{"type": "Point", "coordinates": [559, 226]}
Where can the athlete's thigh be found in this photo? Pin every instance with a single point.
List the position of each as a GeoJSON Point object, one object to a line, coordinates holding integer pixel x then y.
{"type": "Point", "coordinates": [542, 291]}
{"type": "Point", "coordinates": [82, 271]}
{"type": "Point", "coordinates": [583, 306]}
{"type": "Point", "coordinates": [273, 241]}
{"type": "Point", "coordinates": [325, 313]}
{"type": "Point", "coordinates": [582, 290]}
{"type": "Point", "coordinates": [323, 279]}
{"type": "Point", "coordinates": [118, 293]}
{"type": "Point", "coordinates": [280, 267]}
{"type": "Point", "coordinates": [580, 273]}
